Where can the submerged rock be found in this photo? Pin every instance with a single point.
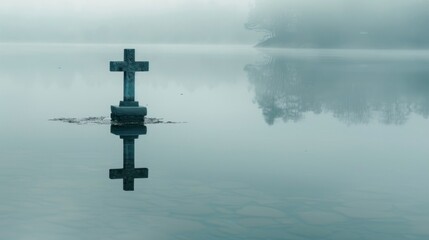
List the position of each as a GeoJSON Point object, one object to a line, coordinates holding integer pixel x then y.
{"type": "Point", "coordinates": [107, 121]}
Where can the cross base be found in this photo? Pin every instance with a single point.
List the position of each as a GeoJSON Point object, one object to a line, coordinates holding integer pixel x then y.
{"type": "Point", "coordinates": [128, 113]}
{"type": "Point", "coordinates": [128, 104]}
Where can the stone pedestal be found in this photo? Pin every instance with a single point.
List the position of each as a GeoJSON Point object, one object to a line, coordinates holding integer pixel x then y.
{"type": "Point", "coordinates": [128, 113]}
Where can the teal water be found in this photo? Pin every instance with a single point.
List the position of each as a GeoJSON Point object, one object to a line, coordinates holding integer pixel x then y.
{"type": "Point", "coordinates": [276, 144]}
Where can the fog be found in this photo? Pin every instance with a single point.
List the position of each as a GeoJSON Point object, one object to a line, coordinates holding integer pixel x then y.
{"type": "Point", "coordinates": [272, 23]}
{"type": "Point", "coordinates": [342, 23]}
{"type": "Point", "coordinates": [185, 21]}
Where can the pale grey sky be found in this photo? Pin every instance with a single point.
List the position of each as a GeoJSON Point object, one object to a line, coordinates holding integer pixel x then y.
{"type": "Point", "coordinates": [159, 21]}
{"type": "Point", "coordinates": [214, 21]}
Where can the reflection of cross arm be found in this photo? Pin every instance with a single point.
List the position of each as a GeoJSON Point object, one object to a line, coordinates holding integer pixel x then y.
{"type": "Point", "coordinates": [128, 176]}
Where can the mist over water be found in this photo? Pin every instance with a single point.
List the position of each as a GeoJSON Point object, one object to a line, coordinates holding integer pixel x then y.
{"type": "Point", "coordinates": [340, 23]}
{"type": "Point", "coordinates": [271, 23]}
{"type": "Point", "coordinates": [128, 21]}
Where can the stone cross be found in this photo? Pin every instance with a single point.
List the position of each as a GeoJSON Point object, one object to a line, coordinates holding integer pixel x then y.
{"type": "Point", "coordinates": [129, 66]}
{"type": "Point", "coordinates": [128, 173]}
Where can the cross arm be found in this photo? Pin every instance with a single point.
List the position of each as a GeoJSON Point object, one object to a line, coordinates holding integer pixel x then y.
{"type": "Point", "coordinates": [129, 66]}
{"type": "Point", "coordinates": [140, 66]}
{"type": "Point", "coordinates": [118, 66]}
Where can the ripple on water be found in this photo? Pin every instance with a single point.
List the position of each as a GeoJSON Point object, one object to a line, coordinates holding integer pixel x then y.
{"type": "Point", "coordinates": [259, 211]}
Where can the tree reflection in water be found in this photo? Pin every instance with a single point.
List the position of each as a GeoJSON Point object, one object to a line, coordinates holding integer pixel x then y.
{"type": "Point", "coordinates": [355, 90]}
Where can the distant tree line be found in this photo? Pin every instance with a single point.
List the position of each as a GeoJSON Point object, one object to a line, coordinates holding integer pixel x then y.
{"type": "Point", "coordinates": [339, 23]}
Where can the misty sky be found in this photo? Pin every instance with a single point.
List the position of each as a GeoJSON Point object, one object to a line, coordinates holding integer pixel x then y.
{"type": "Point", "coordinates": [147, 21]}
{"type": "Point", "coordinates": [210, 21]}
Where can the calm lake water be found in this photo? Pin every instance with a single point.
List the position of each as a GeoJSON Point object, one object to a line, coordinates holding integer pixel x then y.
{"type": "Point", "coordinates": [280, 144]}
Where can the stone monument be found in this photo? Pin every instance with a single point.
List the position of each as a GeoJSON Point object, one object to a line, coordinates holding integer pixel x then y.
{"type": "Point", "coordinates": [128, 133]}
{"type": "Point", "coordinates": [128, 109]}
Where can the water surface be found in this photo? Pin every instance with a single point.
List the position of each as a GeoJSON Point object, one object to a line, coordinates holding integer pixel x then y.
{"type": "Point", "coordinates": [277, 144]}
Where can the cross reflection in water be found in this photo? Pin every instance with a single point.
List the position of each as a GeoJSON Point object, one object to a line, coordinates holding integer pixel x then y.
{"type": "Point", "coordinates": [128, 133]}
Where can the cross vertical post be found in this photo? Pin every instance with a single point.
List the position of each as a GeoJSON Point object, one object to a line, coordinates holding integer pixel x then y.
{"type": "Point", "coordinates": [129, 76]}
